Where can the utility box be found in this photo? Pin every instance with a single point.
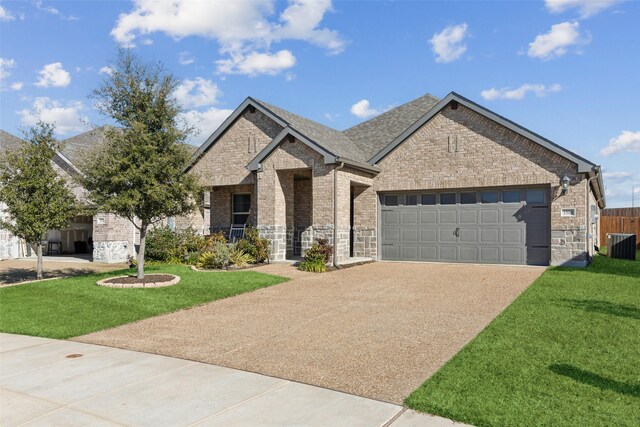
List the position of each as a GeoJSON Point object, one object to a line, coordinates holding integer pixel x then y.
{"type": "Point", "coordinates": [621, 246]}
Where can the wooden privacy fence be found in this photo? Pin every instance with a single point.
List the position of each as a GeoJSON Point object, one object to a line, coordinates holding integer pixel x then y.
{"type": "Point", "coordinates": [620, 220]}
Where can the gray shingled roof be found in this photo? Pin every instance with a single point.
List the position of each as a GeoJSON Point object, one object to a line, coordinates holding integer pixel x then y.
{"type": "Point", "coordinates": [8, 141]}
{"type": "Point", "coordinates": [76, 148]}
{"type": "Point", "coordinates": [330, 139]}
{"type": "Point", "coordinates": [375, 134]}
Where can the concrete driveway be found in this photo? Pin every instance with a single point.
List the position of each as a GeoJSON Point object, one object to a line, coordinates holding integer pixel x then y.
{"type": "Point", "coordinates": [377, 330]}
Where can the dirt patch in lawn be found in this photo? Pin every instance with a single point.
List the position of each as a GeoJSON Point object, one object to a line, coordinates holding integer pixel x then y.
{"type": "Point", "coordinates": [14, 271]}
{"type": "Point", "coordinates": [376, 330]}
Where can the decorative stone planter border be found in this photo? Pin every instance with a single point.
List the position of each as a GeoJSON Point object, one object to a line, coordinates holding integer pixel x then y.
{"type": "Point", "coordinates": [221, 270]}
{"type": "Point", "coordinates": [171, 282]}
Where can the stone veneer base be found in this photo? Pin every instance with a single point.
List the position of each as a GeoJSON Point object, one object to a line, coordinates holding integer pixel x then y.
{"type": "Point", "coordinates": [171, 282]}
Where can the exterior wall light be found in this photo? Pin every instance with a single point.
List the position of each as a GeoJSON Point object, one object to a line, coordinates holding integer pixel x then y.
{"type": "Point", "coordinates": [565, 184]}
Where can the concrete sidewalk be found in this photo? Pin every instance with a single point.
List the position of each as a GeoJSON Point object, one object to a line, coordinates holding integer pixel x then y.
{"type": "Point", "coordinates": [50, 382]}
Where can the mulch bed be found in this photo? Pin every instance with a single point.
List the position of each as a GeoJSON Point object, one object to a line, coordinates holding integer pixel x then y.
{"type": "Point", "coordinates": [149, 278]}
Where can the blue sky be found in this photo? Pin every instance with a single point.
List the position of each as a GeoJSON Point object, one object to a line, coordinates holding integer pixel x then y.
{"type": "Point", "coordinates": [566, 69]}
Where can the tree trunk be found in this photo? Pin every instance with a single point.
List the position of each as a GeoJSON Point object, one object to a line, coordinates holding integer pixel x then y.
{"type": "Point", "coordinates": [143, 238]}
{"type": "Point", "coordinates": [39, 274]}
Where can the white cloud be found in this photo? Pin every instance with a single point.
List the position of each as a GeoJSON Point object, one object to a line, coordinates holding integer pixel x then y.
{"type": "Point", "coordinates": [256, 63]}
{"type": "Point", "coordinates": [448, 45]}
{"type": "Point", "coordinates": [147, 42]}
{"type": "Point", "coordinates": [106, 70]}
{"type": "Point", "coordinates": [185, 58]}
{"type": "Point", "coordinates": [627, 141]}
{"type": "Point", "coordinates": [197, 93]}
{"type": "Point", "coordinates": [557, 41]}
{"type": "Point", "coordinates": [289, 76]}
{"type": "Point", "coordinates": [243, 29]}
{"type": "Point", "coordinates": [53, 75]}
{"type": "Point", "coordinates": [5, 15]}
{"type": "Point", "coordinates": [586, 8]}
{"type": "Point", "coordinates": [53, 11]}
{"type": "Point", "coordinates": [363, 109]}
{"type": "Point", "coordinates": [617, 176]}
{"type": "Point", "coordinates": [204, 122]}
{"type": "Point", "coordinates": [300, 21]}
{"type": "Point", "coordinates": [520, 92]}
{"type": "Point", "coordinates": [5, 66]}
{"type": "Point", "coordinates": [67, 118]}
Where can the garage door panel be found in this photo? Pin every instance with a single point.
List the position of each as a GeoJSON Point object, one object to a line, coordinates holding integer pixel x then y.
{"type": "Point", "coordinates": [469, 216]}
{"type": "Point", "coordinates": [510, 216]}
{"type": "Point", "coordinates": [429, 235]}
{"type": "Point", "coordinates": [513, 235]}
{"type": "Point", "coordinates": [410, 235]}
{"type": "Point", "coordinates": [409, 253]}
{"type": "Point", "coordinates": [448, 216]}
{"type": "Point", "coordinates": [490, 254]}
{"type": "Point", "coordinates": [448, 253]}
{"type": "Point", "coordinates": [391, 252]}
{"type": "Point", "coordinates": [469, 254]}
{"type": "Point", "coordinates": [513, 255]}
{"type": "Point", "coordinates": [489, 216]}
{"type": "Point", "coordinates": [494, 230]}
{"type": "Point", "coordinates": [428, 253]}
{"type": "Point", "coordinates": [429, 217]}
{"type": "Point", "coordinates": [390, 217]}
{"type": "Point", "coordinates": [447, 235]}
{"type": "Point", "coordinates": [489, 235]}
{"type": "Point", "coordinates": [409, 217]}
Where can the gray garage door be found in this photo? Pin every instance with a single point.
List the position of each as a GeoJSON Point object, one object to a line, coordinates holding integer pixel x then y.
{"type": "Point", "coordinates": [505, 226]}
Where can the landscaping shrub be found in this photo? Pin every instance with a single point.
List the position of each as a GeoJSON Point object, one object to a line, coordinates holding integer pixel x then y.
{"type": "Point", "coordinates": [317, 256]}
{"type": "Point", "coordinates": [314, 266]}
{"type": "Point", "coordinates": [253, 245]}
{"type": "Point", "coordinates": [164, 244]}
{"type": "Point", "coordinates": [216, 257]}
{"type": "Point", "coordinates": [216, 237]}
{"type": "Point", "coordinates": [239, 258]}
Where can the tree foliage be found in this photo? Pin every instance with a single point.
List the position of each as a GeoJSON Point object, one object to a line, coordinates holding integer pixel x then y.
{"type": "Point", "coordinates": [139, 172]}
{"type": "Point", "coordinates": [37, 198]}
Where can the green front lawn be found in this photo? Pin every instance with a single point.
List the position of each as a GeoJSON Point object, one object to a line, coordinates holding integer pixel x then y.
{"type": "Point", "coordinates": [565, 353]}
{"type": "Point", "coordinates": [70, 307]}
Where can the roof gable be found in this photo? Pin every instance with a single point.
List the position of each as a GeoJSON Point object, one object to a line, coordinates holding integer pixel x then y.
{"type": "Point", "coordinates": [583, 164]}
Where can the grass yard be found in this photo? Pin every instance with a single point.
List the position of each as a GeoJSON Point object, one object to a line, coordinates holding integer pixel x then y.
{"type": "Point", "coordinates": [565, 353]}
{"type": "Point", "coordinates": [76, 306]}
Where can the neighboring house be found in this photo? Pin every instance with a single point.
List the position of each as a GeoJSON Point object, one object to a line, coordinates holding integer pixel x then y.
{"type": "Point", "coordinates": [107, 237]}
{"type": "Point", "coordinates": [431, 180]}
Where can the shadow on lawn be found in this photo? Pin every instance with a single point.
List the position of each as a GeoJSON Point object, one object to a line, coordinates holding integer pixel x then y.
{"type": "Point", "coordinates": [16, 275]}
{"type": "Point", "coordinates": [595, 380]}
{"type": "Point", "coordinates": [604, 307]}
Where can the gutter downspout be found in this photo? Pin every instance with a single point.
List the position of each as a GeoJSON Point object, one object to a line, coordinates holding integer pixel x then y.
{"type": "Point", "coordinates": [335, 212]}
{"type": "Point", "coordinates": [588, 214]}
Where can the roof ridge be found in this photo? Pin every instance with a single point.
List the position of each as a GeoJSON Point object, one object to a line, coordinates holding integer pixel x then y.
{"type": "Point", "coordinates": [393, 110]}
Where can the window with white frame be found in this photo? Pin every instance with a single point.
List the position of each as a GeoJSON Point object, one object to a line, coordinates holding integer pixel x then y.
{"type": "Point", "coordinates": [568, 212]}
{"type": "Point", "coordinates": [241, 207]}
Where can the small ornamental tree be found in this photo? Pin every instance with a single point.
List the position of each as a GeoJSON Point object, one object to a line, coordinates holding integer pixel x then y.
{"type": "Point", "coordinates": [37, 199]}
{"type": "Point", "coordinates": [139, 173]}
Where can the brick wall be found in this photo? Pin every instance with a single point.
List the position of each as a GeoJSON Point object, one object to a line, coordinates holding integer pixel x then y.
{"type": "Point", "coordinates": [224, 163]}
